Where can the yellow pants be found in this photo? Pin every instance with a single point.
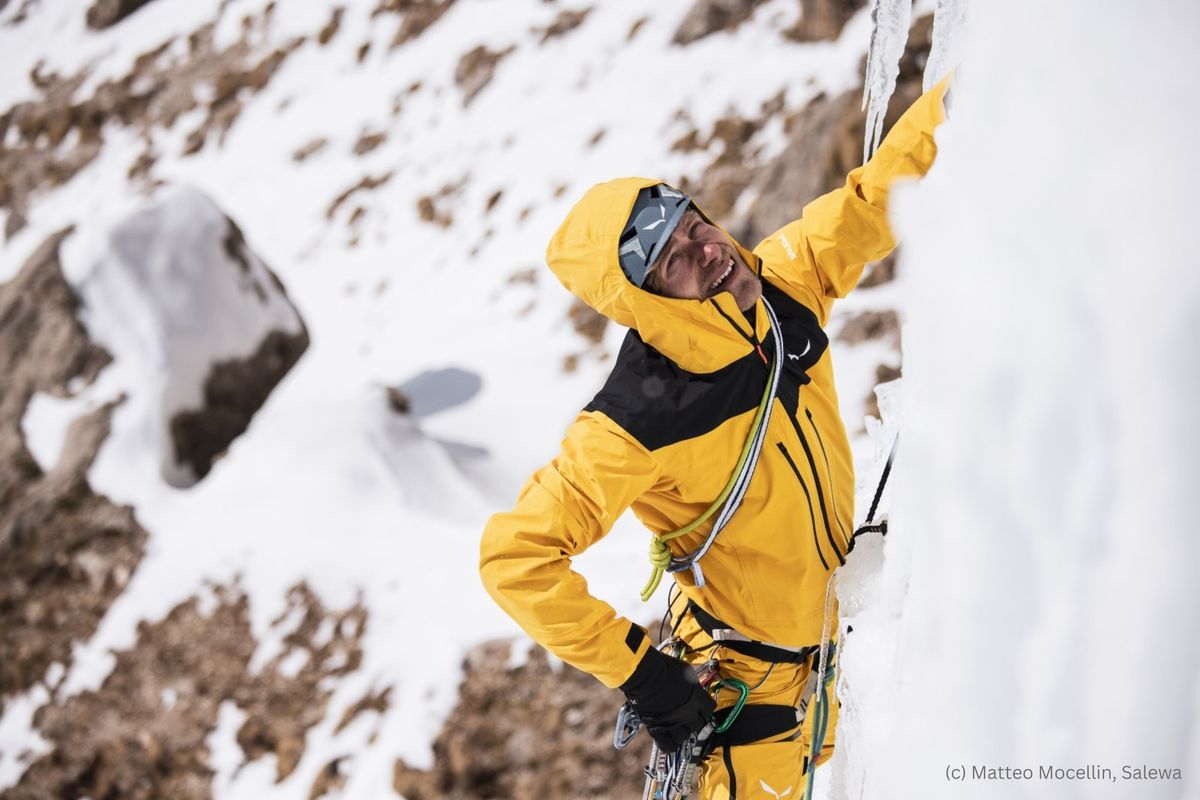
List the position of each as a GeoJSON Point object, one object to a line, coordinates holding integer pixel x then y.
{"type": "Point", "coordinates": [777, 766]}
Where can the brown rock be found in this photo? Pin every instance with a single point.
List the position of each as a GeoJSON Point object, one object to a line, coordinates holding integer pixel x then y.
{"type": "Point", "coordinates": [398, 401]}
{"type": "Point", "coordinates": [233, 391]}
{"type": "Point", "coordinates": [329, 779]}
{"type": "Point", "coordinates": [416, 16]}
{"type": "Point", "coordinates": [141, 166]}
{"type": "Point", "coordinates": [527, 733]}
{"type": "Point", "coordinates": [437, 208]}
{"type": "Point", "coordinates": [880, 272]}
{"type": "Point", "coordinates": [736, 166]}
{"type": "Point", "coordinates": [312, 148]}
{"type": "Point", "coordinates": [158, 89]}
{"type": "Point", "coordinates": [367, 183]}
{"type": "Point", "coordinates": [588, 322]}
{"type": "Point", "coordinates": [823, 19]}
{"type": "Point", "coordinates": [368, 142]}
{"type": "Point", "coordinates": [826, 140]}
{"type": "Point", "coordinates": [377, 701]}
{"type": "Point", "coordinates": [122, 740]}
{"type": "Point", "coordinates": [331, 28]}
{"type": "Point", "coordinates": [106, 13]}
{"type": "Point", "coordinates": [280, 708]}
{"type": "Point", "coordinates": [706, 17]}
{"type": "Point", "coordinates": [635, 27]}
{"type": "Point", "coordinates": [867, 326]}
{"type": "Point", "coordinates": [65, 552]}
{"type": "Point", "coordinates": [142, 734]}
{"type": "Point", "coordinates": [524, 276]}
{"type": "Point", "coordinates": [564, 23]}
{"type": "Point", "coordinates": [476, 68]}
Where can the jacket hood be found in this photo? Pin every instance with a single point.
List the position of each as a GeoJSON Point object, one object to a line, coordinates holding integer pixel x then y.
{"type": "Point", "coordinates": [692, 333]}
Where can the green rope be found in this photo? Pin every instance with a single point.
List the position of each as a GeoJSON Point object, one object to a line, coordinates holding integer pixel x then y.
{"type": "Point", "coordinates": [820, 726]}
{"type": "Point", "coordinates": [660, 554]}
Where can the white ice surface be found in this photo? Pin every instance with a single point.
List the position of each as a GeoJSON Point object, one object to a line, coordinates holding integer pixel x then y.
{"type": "Point", "coordinates": [949, 19]}
{"type": "Point", "coordinates": [1036, 601]}
{"type": "Point", "coordinates": [890, 20]}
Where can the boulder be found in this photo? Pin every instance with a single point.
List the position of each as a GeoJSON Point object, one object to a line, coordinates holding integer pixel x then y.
{"type": "Point", "coordinates": [210, 325]}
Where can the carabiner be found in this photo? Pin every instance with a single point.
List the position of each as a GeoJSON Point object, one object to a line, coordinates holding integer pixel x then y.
{"type": "Point", "coordinates": [743, 693]}
{"type": "Point", "coordinates": [628, 724]}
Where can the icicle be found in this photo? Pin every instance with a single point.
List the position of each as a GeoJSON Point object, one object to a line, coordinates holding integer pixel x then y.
{"type": "Point", "coordinates": [948, 19]}
{"type": "Point", "coordinates": [889, 20]}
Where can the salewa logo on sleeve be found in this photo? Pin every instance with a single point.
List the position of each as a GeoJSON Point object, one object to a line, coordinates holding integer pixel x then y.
{"type": "Point", "coordinates": [774, 793]}
{"type": "Point", "coordinates": [787, 247]}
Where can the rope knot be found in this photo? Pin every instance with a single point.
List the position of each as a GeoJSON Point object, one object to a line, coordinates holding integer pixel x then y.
{"type": "Point", "coordinates": [660, 559]}
{"type": "Point", "coordinates": [660, 554]}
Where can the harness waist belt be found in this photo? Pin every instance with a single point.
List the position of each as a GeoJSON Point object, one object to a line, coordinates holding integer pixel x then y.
{"type": "Point", "coordinates": [738, 642]}
{"type": "Point", "coordinates": [756, 723]}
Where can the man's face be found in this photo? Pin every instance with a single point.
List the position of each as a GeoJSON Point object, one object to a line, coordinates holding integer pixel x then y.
{"type": "Point", "coordinates": [700, 262]}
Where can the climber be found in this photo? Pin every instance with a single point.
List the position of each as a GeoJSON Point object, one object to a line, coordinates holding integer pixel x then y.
{"type": "Point", "coordinates": [708, 321]}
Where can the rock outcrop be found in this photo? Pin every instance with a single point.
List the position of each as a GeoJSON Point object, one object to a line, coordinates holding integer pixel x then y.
{"type": "Point", "coordinates": [144, 733]}
{"type": "Point", "coordinates": [527, 732]}
{"type": "Point", "coordinates": [65, 551]}
{"type": "Point", "coordinates": [46, 141]}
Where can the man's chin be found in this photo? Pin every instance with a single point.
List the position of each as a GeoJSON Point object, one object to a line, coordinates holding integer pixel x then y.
{"type": "Point", "coordinates": [747, 292]}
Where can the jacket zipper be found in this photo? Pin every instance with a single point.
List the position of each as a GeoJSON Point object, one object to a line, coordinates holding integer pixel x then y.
{"type": "Point", "coordinates": [812, 519]}
{"type": "Point", "coordinates": [812, 465]}
{"type": "Point", "coordinates": [829, 473]}
{"type": "Point", "coordinates": [751, 337]}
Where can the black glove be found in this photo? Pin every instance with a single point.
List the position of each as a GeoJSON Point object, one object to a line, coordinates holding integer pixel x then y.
{"type": "Point", "coordinates": [668, 699]}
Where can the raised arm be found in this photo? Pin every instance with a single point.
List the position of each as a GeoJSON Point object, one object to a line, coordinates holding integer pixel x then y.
{"type": "Point", "coordinates": [820, 256]}
{"type": "Point", "coordinates": [568, 505]}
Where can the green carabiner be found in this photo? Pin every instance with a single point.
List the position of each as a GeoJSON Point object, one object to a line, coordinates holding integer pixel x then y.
{"type": "Point", "coordinates": [743, 693]}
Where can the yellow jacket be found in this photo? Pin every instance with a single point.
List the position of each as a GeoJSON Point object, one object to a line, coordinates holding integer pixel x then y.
{"type": "Point", "coordinates": [664, 433]}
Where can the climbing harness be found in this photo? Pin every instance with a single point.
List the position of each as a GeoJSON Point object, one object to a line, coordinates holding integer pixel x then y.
{"type": "Point", "coordinates": [730, 498]}
{"type": "Point", "coordinates": [672, 776]}
{"type": "Point", "coordinates": [725, 635]}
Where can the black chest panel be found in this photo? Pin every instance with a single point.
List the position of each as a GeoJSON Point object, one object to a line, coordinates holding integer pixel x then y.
{"type": "Point", "coordinates": [660, 404]}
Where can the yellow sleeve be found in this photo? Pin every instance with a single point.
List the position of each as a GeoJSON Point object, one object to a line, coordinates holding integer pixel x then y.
{"type": "Point", "coordinates": [567, 506]}
{"type": "Point", "coordinates": [820, 256]}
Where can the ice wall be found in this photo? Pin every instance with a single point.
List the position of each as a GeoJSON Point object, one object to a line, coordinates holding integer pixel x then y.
{"type": "Point", "coordinates": [1038, 604]}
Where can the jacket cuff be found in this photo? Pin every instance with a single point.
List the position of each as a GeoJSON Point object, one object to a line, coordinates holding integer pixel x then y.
{"type": "Point", "coordinates": [650, 672]}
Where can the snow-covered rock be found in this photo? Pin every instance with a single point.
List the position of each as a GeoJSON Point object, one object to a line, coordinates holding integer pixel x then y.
{"type": "Point", "coordinates": [208, 324]}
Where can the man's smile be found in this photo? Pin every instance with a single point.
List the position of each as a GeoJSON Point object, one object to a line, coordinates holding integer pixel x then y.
{"type": "Point", "coordinates": [725, 273]}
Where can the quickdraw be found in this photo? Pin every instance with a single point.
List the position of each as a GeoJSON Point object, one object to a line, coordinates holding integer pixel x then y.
{"type": "Point", "coordinates": [869, 525]}
{"type": "Point", "coordinates": [673, 776]}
